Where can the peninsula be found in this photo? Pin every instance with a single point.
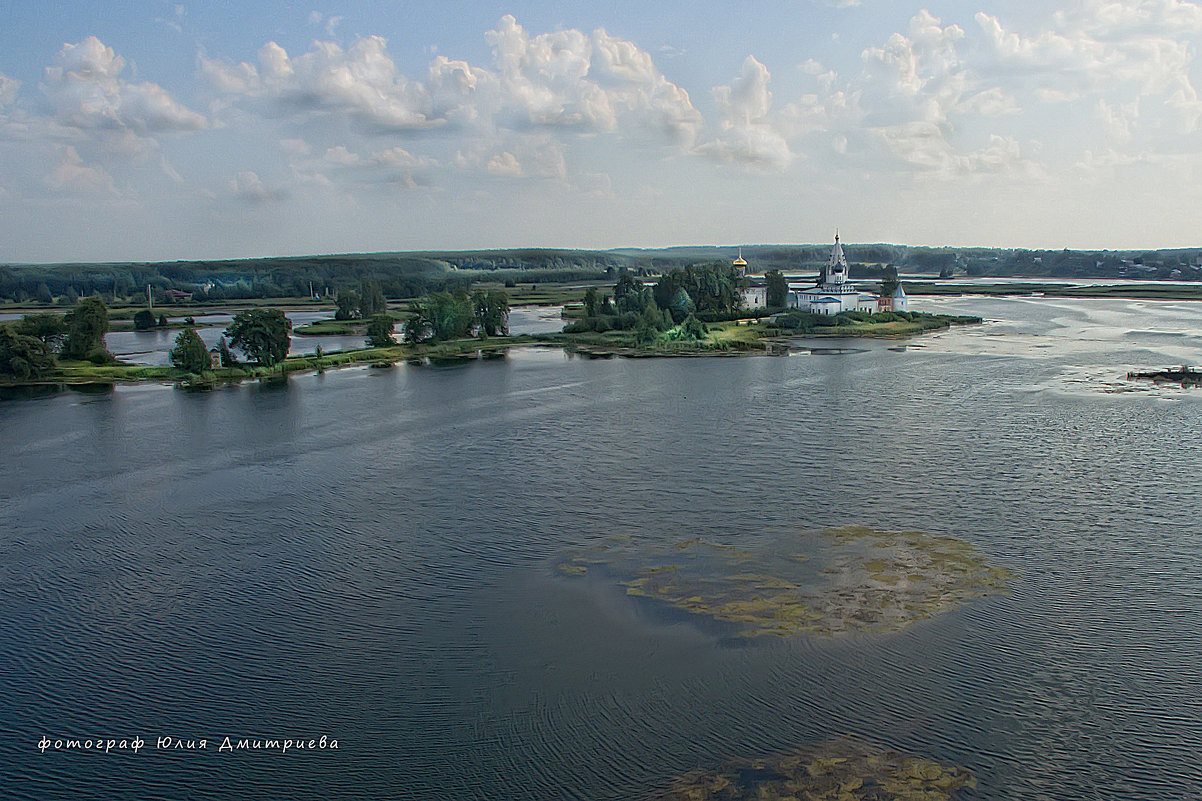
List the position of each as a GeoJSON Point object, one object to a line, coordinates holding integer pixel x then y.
{"type": "Point", "coordinates": [690, 310]}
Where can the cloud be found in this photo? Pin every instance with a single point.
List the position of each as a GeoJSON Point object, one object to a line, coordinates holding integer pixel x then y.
{"type": "Point", "coordinates": [566, 79]}
{"type": "Point", "coordinates": [86, 92]}
{"type": "Point", "coordinates": [748, 133]}
{"type": "Point", "coordinates": [73, 176]}
{"type": "Point", "coordinates": [1105, 19]}
{"type": "Point", "coordinates": [635, 86]}
{"type": "Point", "coordinates": [504, 164]}
{"type": "Point", "coordinates": [248, 187]}
{"type": "Point", "coordinates": [342, 166]}
{"type": "Point", "coordinates": [593, 83]}
{"type": "Point", "coordinates": [328, 24]}
{"type": "Point", "coordinates": [8, 89]}
{"type": "Point", "coordinates": [1107, 51]}
{"type": "Point", "coordinates": [1118, 119]}
{"type": "Point", "coordinates": [176, 21]}
{"type": "Point", "coordinates": [916, 76]}
{"type": "Point", "coordinates": [361, 82]}
{"type": "Point", "coordinates": [515, 156]}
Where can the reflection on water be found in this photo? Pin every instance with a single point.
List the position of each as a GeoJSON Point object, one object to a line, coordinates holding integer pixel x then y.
{"type": "Point", "coordinates": [367, 554]}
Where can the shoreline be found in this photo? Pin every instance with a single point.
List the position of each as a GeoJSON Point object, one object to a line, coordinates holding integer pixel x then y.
{"type": "Point", "coordinates": [728, 339]}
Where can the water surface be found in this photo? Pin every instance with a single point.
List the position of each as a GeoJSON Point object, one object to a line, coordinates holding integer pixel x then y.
{"type": "Point", "coordinates": [370, 555]}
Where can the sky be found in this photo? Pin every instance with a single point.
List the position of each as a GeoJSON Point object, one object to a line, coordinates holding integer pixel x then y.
{"type": "Point", "coordinates": [147, 130]}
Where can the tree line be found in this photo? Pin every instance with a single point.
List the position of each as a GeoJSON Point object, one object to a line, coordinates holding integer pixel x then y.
{"type": "Point", "coordinates": [674, 306]}
{"type": "Point", "coordinates": [31, 347]}
{"type": "Point", "coordinates": [413, 275]}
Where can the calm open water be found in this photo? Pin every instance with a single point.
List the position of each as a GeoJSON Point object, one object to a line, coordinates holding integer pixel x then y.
{"type": "Point", "coordinates": [368, 555]}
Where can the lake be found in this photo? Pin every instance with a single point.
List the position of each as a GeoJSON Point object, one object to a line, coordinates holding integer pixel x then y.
{"type": "Point", "coordinates": [370, 555]}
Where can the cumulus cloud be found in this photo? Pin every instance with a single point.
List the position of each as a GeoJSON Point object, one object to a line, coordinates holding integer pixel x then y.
{"type": "Point", "coordinates": [1105, 50]}
{"type": "Point", "coordinates": [72, 175]}
{"type": "Point", "coordinates": [1106, 19]}
{"type": "Point", "coordinates": [916, 75]}
{"type": "Point", "coordinates": [515, 156]}
{"type": "Point", "coordinates": [342, 166]}
{"type": "Point", "coordinates": [93, 123]}
{"type": "Point", "coordinates": [361, 82]}
{"type": "Point", "coordinates": [249, 187]}
{"type": "Point", "coordinates": [937, 97]}
{"type": "Point", "coordinates": [86, 91]}
{"type": "Point", "coordinates": [566, 79]}
{"type": "Point", "coordinates": [748, 133]}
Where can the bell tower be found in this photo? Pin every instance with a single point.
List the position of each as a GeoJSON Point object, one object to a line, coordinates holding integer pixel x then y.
{"type": "Point", "coordinates": [836, 270]}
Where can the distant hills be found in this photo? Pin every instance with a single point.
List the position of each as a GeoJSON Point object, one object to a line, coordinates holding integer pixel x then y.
{"type": "Point", "coordinates": [412, 274]}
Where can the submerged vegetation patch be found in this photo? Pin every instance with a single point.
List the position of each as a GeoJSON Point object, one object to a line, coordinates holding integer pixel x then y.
{"type": "Point", "coordinates": [841, 770]}
{"type": "Point", "coordinates": [817, 582]}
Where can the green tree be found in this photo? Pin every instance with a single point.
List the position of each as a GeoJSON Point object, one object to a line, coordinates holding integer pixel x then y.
{"type": "Point", "coordinates": [447, 315]}
{"type": "Point", "coordinates": [631, 295]}
{"type": "Point", "coordinates": [645, 334]}
{"type": "Point", "coordinates": [654, 318]}
{"type": "Point", "coordinates": [262, 334]}
{"type": "Point", "coordinates": [371, 299]}
{"type": "Point", "coordinates": [777, 289]}
{"type": "Point", "coordinates": [43, 294]}
{"type": "Point", "coordinates": [24, 357]}
{"type": "Point", "coordinates": [379, 332]}
{"type": "Point", "coordinates": [143, 320]}
{"type": "Point", "coordinates": [710, 288]}
{"type": "Point", "coordinates": [665, 289]}
{"type": "Point", "coordinates": [625, 288]}
{"type": "Point", "coordinates": [890, 283]}
{"type": "Point", "coordinates": [348, 305]}
{"type": "Point", "coordinates": [680, 305]}
{"type": "Point", "coordinates": [189, 352]}
{"type": "Point", "coordinates": [417, 327]}
{"type": "Point", "coordinates": [227, 356]}
{"type": "Point", "coordinates": [590, 302]}
{"type": "Point", "coordinates": [86, 325]}
{"type": "Point", "coordinates": [491, 311]}
{"type": "Point", "coordinates": [49, 328]}
{"type": "Point", "coordinates": [163, 321]}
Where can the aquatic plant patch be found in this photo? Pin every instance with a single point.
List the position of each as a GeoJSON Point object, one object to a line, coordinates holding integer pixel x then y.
{"type": "Point", "coordinates": [840, 770]}
{"type": "Point", "coordinates": [825, 582]}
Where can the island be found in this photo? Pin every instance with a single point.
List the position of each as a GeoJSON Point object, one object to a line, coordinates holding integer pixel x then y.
{"type": "Point", "coordinates": [709, 309]}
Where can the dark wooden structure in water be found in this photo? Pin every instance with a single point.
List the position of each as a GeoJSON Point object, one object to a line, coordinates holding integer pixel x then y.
{"type": "Point", "coordinates": [1184, 375]}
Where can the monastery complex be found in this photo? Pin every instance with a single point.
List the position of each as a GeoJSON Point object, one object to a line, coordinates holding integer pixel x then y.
{"type": "Point", "coordinates": [834, 293]}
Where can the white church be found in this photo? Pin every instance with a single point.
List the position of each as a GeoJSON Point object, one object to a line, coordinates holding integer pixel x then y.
{"type": "Point", "coordinates": [834, 294]}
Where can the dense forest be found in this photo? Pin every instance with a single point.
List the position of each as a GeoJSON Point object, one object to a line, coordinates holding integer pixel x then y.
{"type": "Point", "coordinates": [415, 274]}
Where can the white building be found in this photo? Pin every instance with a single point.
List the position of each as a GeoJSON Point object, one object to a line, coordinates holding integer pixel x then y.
{"type": "Point", "coordinates": [834, 294]}
{"type": "Point", "coordinates": [898, 302]}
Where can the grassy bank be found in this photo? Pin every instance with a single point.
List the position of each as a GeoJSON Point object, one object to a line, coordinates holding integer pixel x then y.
{"type": "Point", "coordinates": [721, 339]}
